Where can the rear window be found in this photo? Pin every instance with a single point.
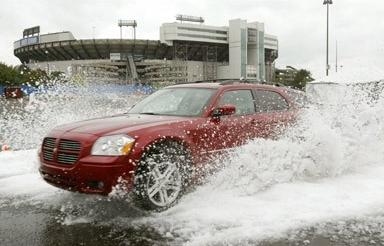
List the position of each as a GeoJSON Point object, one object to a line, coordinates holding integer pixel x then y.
{"type": "Point", "coordinates": [298, 97]}
{"type": "Point", "coordinates": [269, 101]}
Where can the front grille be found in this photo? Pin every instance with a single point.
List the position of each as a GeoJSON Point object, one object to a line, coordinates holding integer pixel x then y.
{"type": "Point", "coordinates": [69, 145]}
{"type": "Point", "coordinates": [50, 142]}
{"type": "Point", "coordinates": [67, 153]}
{"type": "Point", "coordinates": [48, 147]}
{"type": "Point", "coordinates": [67, 158]}
{"type": "Point", "coordinates": [48, 156]}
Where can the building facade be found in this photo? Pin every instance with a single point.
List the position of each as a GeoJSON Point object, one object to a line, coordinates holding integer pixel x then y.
{"type": "Point", "coordinates": [185, 52]}
{"type": "Point", "coordinates": [247, 45]}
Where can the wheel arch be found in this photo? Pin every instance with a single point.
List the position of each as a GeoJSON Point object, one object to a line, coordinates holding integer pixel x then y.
{"type": "Point", "coordinates": [164, 139]}
{"type": "Point", "coordinates": [144, 144]}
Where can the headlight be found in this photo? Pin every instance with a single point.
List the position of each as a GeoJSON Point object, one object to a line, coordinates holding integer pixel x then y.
{"type": "Point", "coordinates": [115, 145]}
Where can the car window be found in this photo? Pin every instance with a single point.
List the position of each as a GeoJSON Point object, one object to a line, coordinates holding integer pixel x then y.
{"type": "Point", "coordinates": [298, 97]}
{"type": "Point", "coordinates": [269, 101]}
{"type": "Point", "coordinates": [241, 99]}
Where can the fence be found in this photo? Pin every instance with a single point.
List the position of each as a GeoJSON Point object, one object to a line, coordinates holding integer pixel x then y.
{"type": "Point", "coordinates": [112, 88]}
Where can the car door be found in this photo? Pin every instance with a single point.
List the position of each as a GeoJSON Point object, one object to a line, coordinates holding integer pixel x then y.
{"type": "Point", "coordinates": [272, 113]}
{"type": "Point", "coordinates": [233, 130]}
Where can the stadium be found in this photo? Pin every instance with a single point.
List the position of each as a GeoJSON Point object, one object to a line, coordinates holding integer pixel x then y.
{"type": "Point", "coordinates": [187, 50]}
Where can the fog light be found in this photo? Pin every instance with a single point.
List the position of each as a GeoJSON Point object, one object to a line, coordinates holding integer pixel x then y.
{"type": "Point", "coordinates": [96, 185]}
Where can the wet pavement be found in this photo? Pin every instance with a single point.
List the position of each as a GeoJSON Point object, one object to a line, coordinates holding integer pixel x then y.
{"type": "Point", "coordinates": [110, 224]}
{"type": "Point", "coordinates": [31, 225]}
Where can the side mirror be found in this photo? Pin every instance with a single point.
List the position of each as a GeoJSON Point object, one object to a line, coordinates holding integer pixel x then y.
{"type": "Point", "coordinates": [227, 109]}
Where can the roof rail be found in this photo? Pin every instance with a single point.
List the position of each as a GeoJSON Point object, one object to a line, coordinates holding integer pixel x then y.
{"type": "Point", "coordinates": [213, 80]}
{"type": "Point", "coordinates": [277, 84]}
{"type": "Point", "coordinates": [207, 81]}
{"type": "Point", "coordinates": [226, 81]}
{"type": "Point", "coordinates": [254, 81]}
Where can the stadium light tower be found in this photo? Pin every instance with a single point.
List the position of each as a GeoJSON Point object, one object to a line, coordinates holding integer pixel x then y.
{"type": "Point", "coordinates": [327, 2]}
{"type": "Point", "coordinates": [189, 18]}
{"type": "Point", "coordinates": [127, 23]}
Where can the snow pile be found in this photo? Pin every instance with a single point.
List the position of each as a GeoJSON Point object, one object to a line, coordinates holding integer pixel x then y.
{"type": "Point", "coordinates": [19, 176]}
{"type": "Point", "coordinates": [10, 164]}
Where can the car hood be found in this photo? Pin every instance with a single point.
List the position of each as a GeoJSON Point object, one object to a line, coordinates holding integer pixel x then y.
{"type": "Point", "coordinates": [117, 124]}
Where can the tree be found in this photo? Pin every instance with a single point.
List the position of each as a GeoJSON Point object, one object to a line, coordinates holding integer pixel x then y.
{"type": "Point", "coordinates": [8, 75]}
{"type": "Point", "coordinates": [302, 77]}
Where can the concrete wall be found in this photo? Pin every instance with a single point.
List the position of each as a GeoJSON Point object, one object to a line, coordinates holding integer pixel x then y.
{"type": "Point", "coordinates": [237, 48]}
{"type": "Point", "coordinates": [256, 51]}
{"type": "Point", "coordinates": [63, 66]}
{"type": "Point", "coordinates": [271, 42]}
{"type": "Point", "coordinates": [223, 72]}
{"type": "Point", "coordinates": [192, 32]}
{"type": "Point", "coordinates": [246, 41]}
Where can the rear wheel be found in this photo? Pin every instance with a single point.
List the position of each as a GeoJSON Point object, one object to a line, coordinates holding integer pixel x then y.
{"type": "Point", "coordinates": [162, 176]}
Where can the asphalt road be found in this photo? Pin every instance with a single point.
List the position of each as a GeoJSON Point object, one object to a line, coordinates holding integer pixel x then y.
{"type": "Point", "coordinates": [22, 223]}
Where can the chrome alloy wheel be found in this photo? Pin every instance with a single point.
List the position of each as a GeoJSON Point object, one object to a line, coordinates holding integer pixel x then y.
{"type": "Point", "coordinates": [164, 184]}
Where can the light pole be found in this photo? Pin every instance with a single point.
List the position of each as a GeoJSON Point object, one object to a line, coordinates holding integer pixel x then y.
{"type": "Point", "coordinates": [336, 58]}
{"type": "Point", "coordinates": [327, 2]}
{"type": "Point", "coordinates": [46, 53]}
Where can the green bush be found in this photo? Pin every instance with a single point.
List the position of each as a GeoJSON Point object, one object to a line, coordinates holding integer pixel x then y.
{"type": "Point", "coordinates": [9, 75]}
{"type": "Point", "coordinates": [16, 76]}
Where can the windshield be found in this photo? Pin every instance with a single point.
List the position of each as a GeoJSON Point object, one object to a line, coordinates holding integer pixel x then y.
{"type": "Point", "coordinates": [175, 101]}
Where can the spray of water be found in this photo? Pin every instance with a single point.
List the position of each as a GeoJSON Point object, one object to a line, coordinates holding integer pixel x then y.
{"type": "Point", "coordinates": [269, 186]}
{"type": "Point", "coordinates": [24, 122]}
{"type": "Point", "coordinates": [323, 167]}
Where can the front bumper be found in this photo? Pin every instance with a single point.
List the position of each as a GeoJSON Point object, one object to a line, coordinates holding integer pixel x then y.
{"type": "Point", "coordinates": [86, 177]}
{"type": "Point", "coordinates": [89, 174]}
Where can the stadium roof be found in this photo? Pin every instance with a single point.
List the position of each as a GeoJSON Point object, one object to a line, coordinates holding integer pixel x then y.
{"type": "Point", "coordinates": [86, 49]}
{"type": "Point", "coordinates": [91, 49]}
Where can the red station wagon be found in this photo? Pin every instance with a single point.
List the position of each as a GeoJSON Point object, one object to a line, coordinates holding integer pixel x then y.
{"type": "Point", "coordinates": [155, 147]}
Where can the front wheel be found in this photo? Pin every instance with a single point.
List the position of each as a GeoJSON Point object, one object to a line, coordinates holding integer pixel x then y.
{"type": "Point", "coordinates": [162, 176]}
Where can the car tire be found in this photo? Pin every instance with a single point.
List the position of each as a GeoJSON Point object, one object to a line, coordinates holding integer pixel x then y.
{"type": "Point", "coordinates": [162, 176]}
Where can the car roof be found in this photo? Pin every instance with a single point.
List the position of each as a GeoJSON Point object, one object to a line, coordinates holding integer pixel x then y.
{"type": "Point", "coordinates": [196, 85]}
{"type": "Point", "coordinates": [224, 84]}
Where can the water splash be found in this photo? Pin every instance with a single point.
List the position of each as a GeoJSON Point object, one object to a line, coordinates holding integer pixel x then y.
{"type": "Point", "coordinates": [320, 169]}
{"type": "Point", "coordinates": [24, 122]}
{"type": "Point", "coordinates": [326, 167]}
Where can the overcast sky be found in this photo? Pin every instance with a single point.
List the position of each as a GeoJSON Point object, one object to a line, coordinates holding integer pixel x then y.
{"type": "Point", "coordinates": [300, 25]}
